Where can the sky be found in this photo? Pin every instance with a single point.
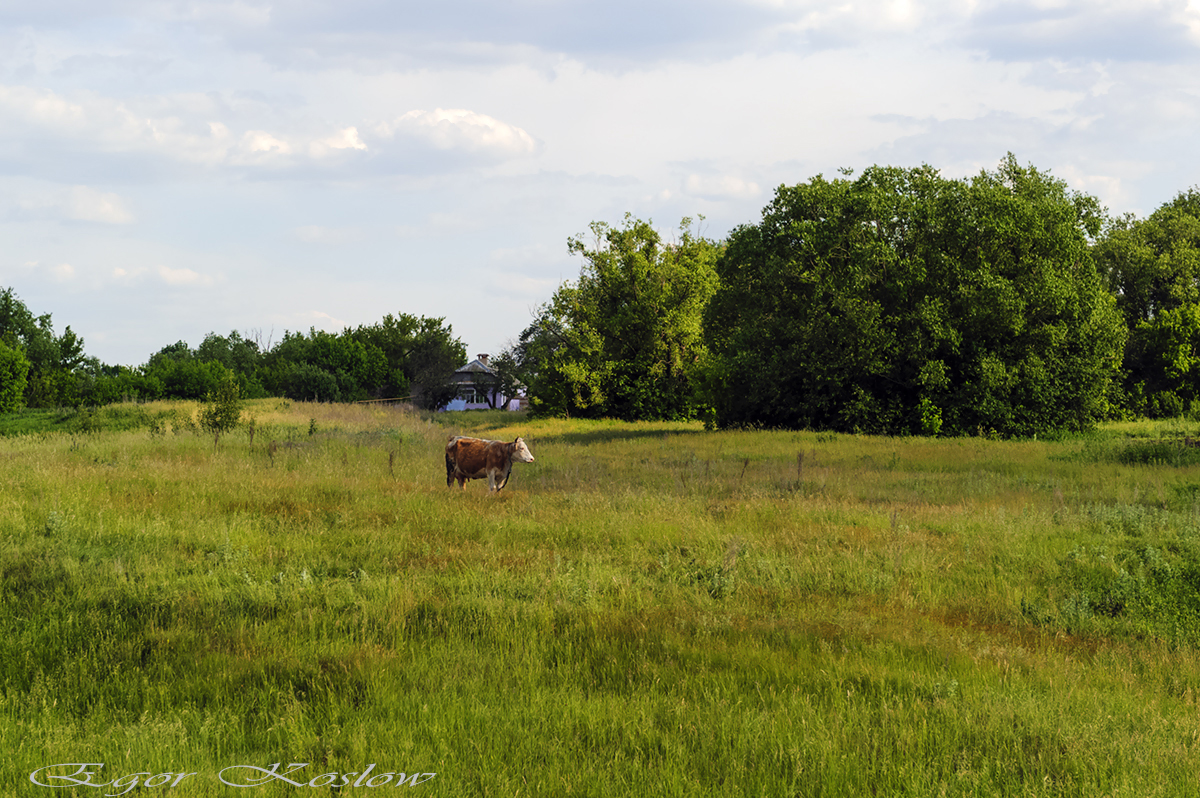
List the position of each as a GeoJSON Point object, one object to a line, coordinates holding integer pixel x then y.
{"type": "Point", "coordinates": [171, 168]}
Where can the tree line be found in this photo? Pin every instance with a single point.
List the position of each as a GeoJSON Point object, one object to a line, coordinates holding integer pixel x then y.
{"type": "Point", "coordinates": [402, 357]}
{"type": "Point", "coordinates": [897, 301]}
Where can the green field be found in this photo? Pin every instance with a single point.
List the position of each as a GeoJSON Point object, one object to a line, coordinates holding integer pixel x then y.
{"type": "Point", "coordinates": [648, 609]}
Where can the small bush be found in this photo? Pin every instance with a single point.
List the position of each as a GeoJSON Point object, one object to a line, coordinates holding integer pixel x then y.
{"type": "Point", "coordinates": [1138, 589]}
{"type": "Point", "coordinates": [1171, 451]}
{"type": "Point", "coordinates": [1159, 452]}
{"type": "Point", "coordinates": [222, 409]}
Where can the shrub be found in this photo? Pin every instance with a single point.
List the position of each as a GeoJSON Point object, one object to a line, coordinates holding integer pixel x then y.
{"type": "Point", "coordinates": [14, 370]}
{"type": "Point", "coordinates": [222, 409]}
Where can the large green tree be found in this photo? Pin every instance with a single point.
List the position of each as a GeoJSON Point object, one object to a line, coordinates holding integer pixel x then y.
{"type": "Point", "coordinates": [179, 372]}
{"type": "Point", "coordinates": [324, 367]}
{"type": "Point", "coordinates": [53, 359]}
{"type": "Point", "coordinates": [240, 355]}
{"type": "Point", "coordinates": [905, 302]}
{"type": "Point", "coordinates": [388, 359]}
{"type": "Point", "coordinates": [624, 340]}
{"type": "Point", "coordinates": [421, 356]}
{"type": "Point", "coordinates": [1153, 267]}
{"type": "Point", "coordinates": [176, 372]}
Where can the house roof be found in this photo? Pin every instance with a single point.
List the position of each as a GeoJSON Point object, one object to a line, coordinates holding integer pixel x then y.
{"type": "Point", "coordinates": [469, 374]}
{"type": "Point", "coordinates": [476, 366]}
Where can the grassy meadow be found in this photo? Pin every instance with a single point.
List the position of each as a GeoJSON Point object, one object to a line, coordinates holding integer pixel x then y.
{"type": "Point", "coordinates": [648, 609]}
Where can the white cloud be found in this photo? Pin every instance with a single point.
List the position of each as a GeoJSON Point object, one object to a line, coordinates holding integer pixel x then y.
{"type": "Point", "coordinates": [440, 225]}
{"type": "Point", "coordinates": [260, 141]}
{"type": "Point", "coordinates": [323, 321]}
{"type": "Point", "coordinates": [62, 273]}
{"type": "Point", "coordinates": [346, 139]}
{"type": "Point", "coordinates": [89, 205]}
{"type": "Point", "coordinates": [241, 135]}
{"type": "Point", "coordinates": [41, 107]}
{"type": "Point", "coordinates": [237, 13]}
{"type": "Point", "coordinates": [459, 129]}
{"type": "Point", "coordinates": [128, 276]}
{"type": "Point", "coordinates": [215, 131]}
{"type": "Point", "coordinates": [104, 125]}
{"type": "Point", "coordinates": [847, 23]}
{"type": "Point", "coordinates": [183, 277]}
{"type": "Point", "coordinates": [1191, 19]}
{"type": "Point", "coordinates": [177, 127]}
{"type": "Point", "coordinates": [526, 274]}
{"type": "Point", "coordinates": [78, 203]}
{"type": "Point", "coordinates": [1108, 182]}
{"type": "Point", "coordinates": [721, 187]}
{"type": "Point", "coordinates": [520, 287]}
{"type": "Point", "coordinates": [317, 234]}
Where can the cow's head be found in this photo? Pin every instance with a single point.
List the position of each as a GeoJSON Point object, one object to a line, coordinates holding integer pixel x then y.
{"type": "Point", "coordinates": [521, 453]}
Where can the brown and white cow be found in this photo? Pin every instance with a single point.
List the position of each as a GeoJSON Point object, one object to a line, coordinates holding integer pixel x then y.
{"type": "Point", "coordinates": [475, 458]}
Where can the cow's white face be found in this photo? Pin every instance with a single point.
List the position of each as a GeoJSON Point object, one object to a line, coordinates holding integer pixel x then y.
{"type": "Point", "coordinates": [521, 454]}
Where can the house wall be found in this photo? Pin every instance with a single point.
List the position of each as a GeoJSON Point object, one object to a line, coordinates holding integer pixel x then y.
{"type": "Point", "coordinates": [473, 401]}
{"type": "Point", "coordinates": [502, 403]}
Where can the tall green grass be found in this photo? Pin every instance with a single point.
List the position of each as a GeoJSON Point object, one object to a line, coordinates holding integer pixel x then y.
{"type": "Point", "coordinates": [647, 609]}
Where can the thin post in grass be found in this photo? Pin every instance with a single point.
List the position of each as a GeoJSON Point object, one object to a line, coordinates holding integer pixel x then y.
{"type": "Point", "coordinates": [745, 465]}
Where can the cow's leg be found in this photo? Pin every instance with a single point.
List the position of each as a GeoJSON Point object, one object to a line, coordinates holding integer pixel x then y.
{"type": "Point", "coordinates": [501, 481]}
{"type": "Point", "coordinates": [449, 471]}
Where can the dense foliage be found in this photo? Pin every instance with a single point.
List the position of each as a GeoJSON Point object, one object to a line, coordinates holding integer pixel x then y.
{"type": "Point", "coordinates": [1153, 268]}
{"type": "Point", "coordinates": [420, 356]}
{"type": "Point", "coordinates": [900, 302]}
{"type": "Point", "coordinates": [624, 341]}
{"type": "Point", "coordinates": [54, 364]}
{"type": "Point", "coordinates": [904, 302]}
{"type": "Point", "coordinates": [403, 357]}
{"type": "Point", "coordinates": [14, 371]}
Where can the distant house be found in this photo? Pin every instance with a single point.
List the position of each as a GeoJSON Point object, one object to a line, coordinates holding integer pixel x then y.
{"type": "Point", "coordinates": [479, 389]}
